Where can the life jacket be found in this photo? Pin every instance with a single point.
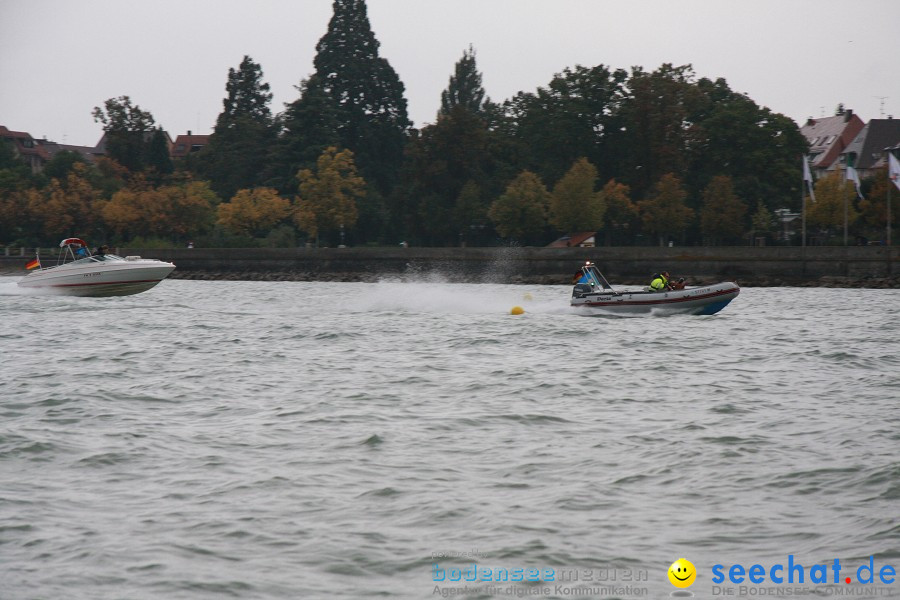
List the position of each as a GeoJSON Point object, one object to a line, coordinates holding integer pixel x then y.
{"type": "Point", "coordinates": [658, 283]}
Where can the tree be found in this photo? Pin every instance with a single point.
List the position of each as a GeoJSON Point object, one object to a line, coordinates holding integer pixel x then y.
{"type": "Point", "coordinates": [664, 213]}
{"type": "Point", "coordinates": [574, 205]}
{"type": "Point", "coordinates": [470, 212]}
{"type": "Point", "coordinates": [521, 211]}
{"type": "Point", "coordinates": [656, 133]}
{"type": "Point", "coordinates": [310, 125]}
{"type": "Point", "coordinates": [365, 92]}
{"type": "Point", "coordinates": [253, 212]}
{"type": "Point", "coordinates": [171, 212]}
{"type": "Point", "coordinates": [327, 199]}
{"type": "Point", "coordinates": [238, 150]}
{"type": "Point", "coordinates": [68, 206]}
{"type": "Point", "coordinates": [873, 209]}
{"type": "Point", "coordinates": [465, 87]}
{"type": "Point", "coordinates": [722, 215]}
{"type": "Point", "coordinates": [833, 194]}
{"type": "Point", "coordinates": [621, 212]}
{"type": "Point", "coordinates": [129, 131]}
{"type": "Point", "coordinates": [248, 96]}
{"type": "Point", "coordinates": [444, 158]}
{"type": "Point", "coordinates": [570, 118]}
{"type": "Point", "coordinates": [763, 221]}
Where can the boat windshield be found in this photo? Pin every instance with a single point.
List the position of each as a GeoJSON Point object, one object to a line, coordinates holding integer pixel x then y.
{"type": "Point", "coordinates": [596, 277]}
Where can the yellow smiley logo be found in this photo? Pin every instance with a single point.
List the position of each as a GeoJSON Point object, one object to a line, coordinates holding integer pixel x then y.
{"type": "Point", "coordinates": [682, 573]}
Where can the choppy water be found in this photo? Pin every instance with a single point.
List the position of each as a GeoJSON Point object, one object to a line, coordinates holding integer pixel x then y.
{"type": "Point", "coordinates": [334, 440]}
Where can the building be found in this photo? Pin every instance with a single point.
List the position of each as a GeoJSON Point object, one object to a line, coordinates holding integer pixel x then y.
{"type": "Point", "coordinates": [26, 147]}
{"type": "Point", "coordinates": [584, 239]}
{"type": "Point", "coordinates": [187, 144]}
{"type": "Point", "coordinates": [828, 138]}
{"type": "Point", "coordinates": [867, 153]}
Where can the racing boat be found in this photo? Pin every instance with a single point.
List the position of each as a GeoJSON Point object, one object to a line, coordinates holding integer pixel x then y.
{"type": "Point", "coordinates": [593, 295]}
{"type": "Point", "coordinates": [78, 272]}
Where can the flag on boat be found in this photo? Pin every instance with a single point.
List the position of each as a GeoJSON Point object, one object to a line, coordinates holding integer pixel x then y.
{"type": "Point", "coordinates": [34, 263]}
{"type": "Point", "coordinates": [894, 169]}
{"type": "Point", "coordinates": [853, 176]}
{"type": "Point", "coordinates": [807, 177]}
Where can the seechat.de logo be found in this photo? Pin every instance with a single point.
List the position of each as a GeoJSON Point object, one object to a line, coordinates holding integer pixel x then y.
{"type": "Point", "coordinates": [682, 573]}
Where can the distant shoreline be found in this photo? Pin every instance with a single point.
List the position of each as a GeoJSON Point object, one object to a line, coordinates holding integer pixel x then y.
{"type": "Point", "coordinates": [776, 266]}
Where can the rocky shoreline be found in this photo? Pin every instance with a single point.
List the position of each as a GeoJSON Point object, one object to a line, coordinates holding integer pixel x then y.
{"type": "Point", "coordinates": [562, 279]}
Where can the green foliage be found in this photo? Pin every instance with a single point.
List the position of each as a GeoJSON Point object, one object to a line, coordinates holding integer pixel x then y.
{"type": "Point", "coordinates": [238, 151]}
{"type": "Point", "coordinates": [129, 132]}
{"type": "Point", "coordinates": [248, 96]}
{"type": "Point", "coordinates": [572, 117]}
{"type": "Point", "coordinates": [722, 215]}
{"type": "Point", "coordinates": [520, 213]}
{"type": "Point", "coordinates": [763, 220]}
{"type": "Point", "coordinates": [465, 87]}
{"type": "Point", "coordinates": [574, 205]}
{"type": "Point", "coordinates": [621, 212]}
{"type": "Point", "coordinates": [665, 213]}
{"type": "Point", "coordinates": [365, 93]}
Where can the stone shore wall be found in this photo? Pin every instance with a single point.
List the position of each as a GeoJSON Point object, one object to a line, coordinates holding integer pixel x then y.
{"type": "Point", "coordinates": [822, 266]}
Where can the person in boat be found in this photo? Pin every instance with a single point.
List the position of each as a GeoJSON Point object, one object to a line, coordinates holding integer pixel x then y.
{"type": "Point", "coordinates": [101, 251]}
{"type": "Point", "coordinates": [678, 285]}
{"type": "Point", "coordinates": [81, 252]}
{"type": "Point", "coordinates": [660, 282]}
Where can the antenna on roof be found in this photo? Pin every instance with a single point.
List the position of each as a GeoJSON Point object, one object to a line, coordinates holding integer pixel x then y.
{"type": "Point", "coordinates": [881, 109]}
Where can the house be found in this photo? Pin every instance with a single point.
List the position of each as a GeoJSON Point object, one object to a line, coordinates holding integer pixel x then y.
{"type": "Point", "coordinates": [867, 153]}
{"type": "Point", "coordinates": [187, 144]}
{"type": "Point", "coordinates": [828, 138]}
{"type": "Point", "coordinates": [25, 146]}
{"type": "Point", "coordinates": [584, 239]}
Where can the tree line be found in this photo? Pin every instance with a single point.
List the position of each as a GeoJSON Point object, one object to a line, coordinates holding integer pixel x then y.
{"type": "Point", "coordinates": [643, 157]}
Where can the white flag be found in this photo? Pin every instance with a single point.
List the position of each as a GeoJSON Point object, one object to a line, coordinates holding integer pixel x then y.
{"type": "Point", "coordinates": [807, 177]}
{"type": "Point", "coordinates": [894, 169]}
{"type": "Point", "coordinates": [853, 176]}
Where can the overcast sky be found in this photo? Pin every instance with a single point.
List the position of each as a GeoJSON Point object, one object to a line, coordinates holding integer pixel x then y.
{"type": "Point", "coordinates": [60, 58]}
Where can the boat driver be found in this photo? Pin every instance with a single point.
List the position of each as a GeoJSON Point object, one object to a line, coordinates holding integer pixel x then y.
{"type": "Point", "coordinates": [660, 282]}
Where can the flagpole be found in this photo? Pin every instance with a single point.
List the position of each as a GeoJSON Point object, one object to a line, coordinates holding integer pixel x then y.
{"type": "Point", "coordinates": [803, 206]}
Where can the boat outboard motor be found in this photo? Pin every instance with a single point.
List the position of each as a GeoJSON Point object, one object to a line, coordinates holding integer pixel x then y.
{"type": "Point", "coordinates": [582, 289]}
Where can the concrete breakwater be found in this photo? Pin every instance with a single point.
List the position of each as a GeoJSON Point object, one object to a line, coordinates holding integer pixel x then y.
{"type": "Point", "coordinates": [829, 266]}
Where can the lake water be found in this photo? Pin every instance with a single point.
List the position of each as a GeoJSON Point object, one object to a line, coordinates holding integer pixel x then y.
{"type": "Point", "coordinates": [339, 440]}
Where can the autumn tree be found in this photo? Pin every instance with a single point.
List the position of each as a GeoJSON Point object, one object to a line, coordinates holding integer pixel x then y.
{"type": "Point", "coordinates": [172, 212]}
{"type": "Point", "coordinates": [253, 212]}
{"type": "Point", "coordinates": [574, 205]}
{"type": "Point", "coordinates": [621, 212]}
{"type": "Point", "coordinates": [873, 208]}
{"type": "Point", "coordinates": [722, 214]}
{"type": "Point", "coordinates": [327, 199]}
{"type": "Point", "coordinates": [665, 213]}
{"type": "Point", "coordinates": [834, 195]}
{"type": "Point", "coordinates": [465, 87]}
{"type": "Point", "coordinates": [68, 206]}
{"type": "Point", "coordinates": [520, 212]}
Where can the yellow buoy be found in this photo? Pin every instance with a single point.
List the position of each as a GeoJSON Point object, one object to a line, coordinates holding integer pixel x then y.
{"type": "Point", "coordinates": [517, 310]}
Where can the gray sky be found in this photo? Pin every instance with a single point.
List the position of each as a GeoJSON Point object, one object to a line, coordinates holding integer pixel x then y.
{"type": "Point", "coordinates": [60, 58]}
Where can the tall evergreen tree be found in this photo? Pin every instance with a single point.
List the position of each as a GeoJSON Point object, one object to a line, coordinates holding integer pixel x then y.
{"type": "Point", "coordinates": [365, 91]}
{"type": "Point", "coordinates": [237, 153]}
{"type": "Point", "coordinates": [248, 96]}
{"type": "Point", "coordinates": [465, 87]}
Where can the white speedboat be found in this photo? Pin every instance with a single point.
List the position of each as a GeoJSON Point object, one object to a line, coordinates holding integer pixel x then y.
{"type": "Point", "coordinates": [80, 273]}
{"type": "Point", "coordinates": [594, 296]}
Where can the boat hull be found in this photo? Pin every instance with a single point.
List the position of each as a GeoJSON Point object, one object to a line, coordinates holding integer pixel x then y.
{"type": "Point", "coordinates": [121, 278]}
{"type": "Point", "coordinates": [705, 300]}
